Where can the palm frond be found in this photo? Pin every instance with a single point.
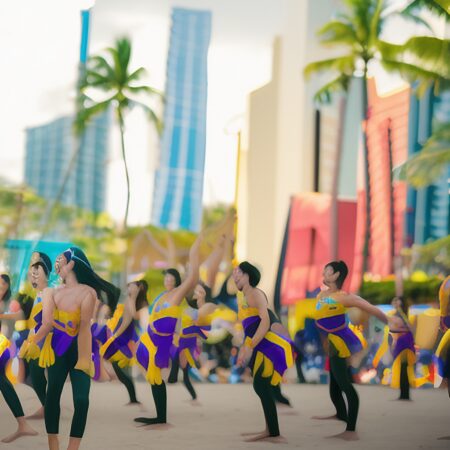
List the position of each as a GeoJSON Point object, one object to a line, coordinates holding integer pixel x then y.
{"type": "Point", "coordinates": [414, 74]}
{"type": "Point", "coordinates": [438, 7]}
{"type": "Point", "coordinates": [341, 64]}
{"type": "Point", "coordinates": [145, 89]}
{"type": "Point", "coordinates": [101, 65]}
{"type": "Point", "coordinates": [85, 115]}
{"type": "Point", "coordinates": [154, 118]}
{"type": "Point", "coordinates": [430, 51]}
{"type": "Point", "coordinates": [336, 32]}
{"type": "Point", "coordinates": [136, 75]}
{"type": "Point", "coordinates": [339, 84]}
{"type": "Point", "coordinates": [429, 164]}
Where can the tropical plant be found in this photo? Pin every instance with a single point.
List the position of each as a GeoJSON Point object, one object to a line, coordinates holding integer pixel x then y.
{"type": "Point", "coordinates": [424, 167]}
{"type": "Point", "coordinates": [110, 73]}
{"type": "Point", "coordinates": [358, 33]}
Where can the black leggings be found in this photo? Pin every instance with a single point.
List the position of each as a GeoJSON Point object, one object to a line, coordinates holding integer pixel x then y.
{"type": "Point", "coordinates": [38, 380]}
{"type": "Point", "coordinates": [188, 384]}
{"type": "Point", "coordinates": [340, 382]}
{"type": "Point", "coordinates": [127, 381]}
{"type": "Point", "coordinates": [10, 395]}
{"type": "Point", "coordinates": [173, 376]}
{"type": "Point", "coordinates": [404, 381]}
{"type": "Point", "coordinates": [278, 395]}
{"type": "Point", "coordinates": [81, 382]}
{"type": "Point", "coordinates": [263, 389]}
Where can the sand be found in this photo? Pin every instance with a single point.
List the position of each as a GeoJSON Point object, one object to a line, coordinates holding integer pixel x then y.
{"type": "Point", "coordinates": [228, 410]}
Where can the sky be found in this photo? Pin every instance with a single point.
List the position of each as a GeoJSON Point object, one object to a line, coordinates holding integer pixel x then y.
{"type": "Point", "coordinates": [41, 46]}
{"type": "Point", "coordinates": [40, 53]}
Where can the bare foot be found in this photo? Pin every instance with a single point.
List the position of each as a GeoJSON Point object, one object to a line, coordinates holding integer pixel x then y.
{"type": "Point", "coordinates": [39, 414]}
{"type": "Point", "coordinates": [335, 417]}
{"type": "Point", "coordinates": [133, 404]}
{"type": "Point", "coordinates": [24, 430]}
{"type": "Point", "coordinates": [266, 437]}
{"type": "Point", "coordinates": [254, 433]}
{"type": "Point", "coordinates": [346, 436]}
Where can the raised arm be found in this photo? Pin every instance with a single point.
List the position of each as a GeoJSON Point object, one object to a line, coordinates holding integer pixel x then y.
{"type": "Point", "coordinates": [175, 297]}
{"type": "Point", "coordinates": [350, 300]}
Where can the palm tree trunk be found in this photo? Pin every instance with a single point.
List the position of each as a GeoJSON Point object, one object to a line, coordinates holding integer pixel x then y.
{"type": "Point", "coordinates": [122, 141]}
{"type": "Point", "coordinates": [365, 105]}
{"type": "Point", "coordinates": [391, 197]}
{"type": "Point", "coordinates": [335, 185]}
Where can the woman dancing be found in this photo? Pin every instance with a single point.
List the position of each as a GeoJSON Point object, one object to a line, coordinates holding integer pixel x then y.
{"type": "Point", "coordinates": [343, 341]}
{"type": "Point", "coordinates": [120, 348]}
{"type": "Point", "coordinates": [153, 352]}
{"type": "Point", "coordinates": [6, 387]}
{"type": "Point", "coordinates": [66, 332]}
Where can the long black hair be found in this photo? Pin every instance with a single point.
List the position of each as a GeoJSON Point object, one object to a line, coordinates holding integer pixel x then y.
{"type": "Point", "coordinates": [141, 299]}
{"type": "Point", "coordinates": [7, 280]}
{"type": "Point", "coordinates": [85, 275]}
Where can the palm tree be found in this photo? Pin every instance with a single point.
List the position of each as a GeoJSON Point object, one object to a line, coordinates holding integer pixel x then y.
{"type": "Point", "coordinates": [358, 33]}
{"type": "Point", "coordinates": [110, 73]}
{"type": "Point", "coordinates": [426, 166]}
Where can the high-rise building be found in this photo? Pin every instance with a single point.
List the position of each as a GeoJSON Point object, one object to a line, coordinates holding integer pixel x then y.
{"type": "Point", "coordinates": [428, 213]}
{"type": "Point", "coordinates": [177, 202]}
{"type": "Point", "coordinates": [49, 149]}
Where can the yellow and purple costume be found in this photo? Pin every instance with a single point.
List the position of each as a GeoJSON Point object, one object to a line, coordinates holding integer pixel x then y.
{"type": "Point", "coordinates": [275, 353]}
{"type": "Point", "coordinates": [331, 317]}
{"type": "Point", "coordinates": [442, 355]}
{"type": "Point", "coordinates": [120, 348]}
{"type": "Point", "coordinates": [154, 347]}
{"type": "Point", "coordinates": [191, 329]}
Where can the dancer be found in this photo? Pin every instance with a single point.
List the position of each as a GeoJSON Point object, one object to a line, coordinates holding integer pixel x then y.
{"type": "Point", "coordinates": [119, 349]}
{"type": "Point", "coordinates": [153, 352]}
{"type": "Point", "coordinates": [269, 352]}
{"type": "Point", "coordinates": [66, 331]}
{"type": "Point", "coordinates": [343, 341]}
{"type": "Point", "coordinates": [196, 319]}
{"type": "Point", "coordinates": [443, 351]}
{"type": "Point", "coordinates": [403, 353]}
{"type": "Point", "coordinates": [6, 387]}
{"type": "Point", "coordinates": [39, 272]}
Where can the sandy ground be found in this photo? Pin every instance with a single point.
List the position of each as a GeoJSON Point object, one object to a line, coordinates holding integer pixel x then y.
{"type": "Point", "coordinates": [227, 410]}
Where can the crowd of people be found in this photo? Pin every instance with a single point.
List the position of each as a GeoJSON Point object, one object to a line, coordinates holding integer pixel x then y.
{"type": "Point", "coordinates": [79, 329]}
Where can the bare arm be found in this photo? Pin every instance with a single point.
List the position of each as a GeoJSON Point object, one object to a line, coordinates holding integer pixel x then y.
{"type": "Point", "coordinates": [48, 308]}
{"type": "Point", "coordinates": [213, 262]}
{"type": "Point", "coordinates": [351, 300]}
{"type": "Point", "coordinates": [264, 325]}
{"type": "Point", "coordinates": [205, 311]}
{"type": "Point", "coordinates": [12, 316]}
{"type": "Point", "coordinates": [87, 308]}
{"type": "Point", "coordinates": [128, 314]}
{"type": "Point", "coordinates": [176, 296]}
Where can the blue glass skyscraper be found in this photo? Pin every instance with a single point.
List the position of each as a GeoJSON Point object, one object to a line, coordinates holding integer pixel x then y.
{"type": "Point", "coordinates": [49, 149]}
{"type": "Point", "coordinates": [177, 199]}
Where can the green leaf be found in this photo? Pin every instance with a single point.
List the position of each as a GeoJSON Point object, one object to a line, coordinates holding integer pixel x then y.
{"type": "Point", "coordinates": [342, 64]}
{"type": "Point", "coordinates": [426, 166]}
